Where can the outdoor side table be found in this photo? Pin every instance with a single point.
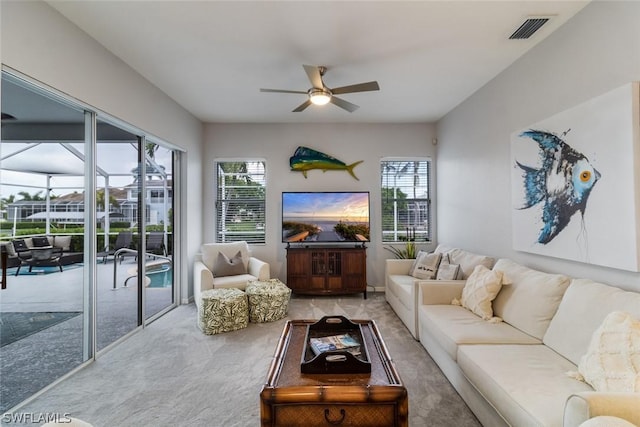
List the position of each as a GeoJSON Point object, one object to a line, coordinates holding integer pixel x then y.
{"type": "Point", "coordinates": [223, 310]}
{"type": "Point", "coordinates": [268, 300]}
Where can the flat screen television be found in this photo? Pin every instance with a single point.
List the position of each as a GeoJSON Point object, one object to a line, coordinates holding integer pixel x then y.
{"type": "Point", "coordinates": [325, 217]}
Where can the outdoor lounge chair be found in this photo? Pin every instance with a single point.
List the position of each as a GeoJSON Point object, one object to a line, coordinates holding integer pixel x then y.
{"type": "Point", "coordinates": [123, 240]}
{"type": "Point", "coordinates": [155, 243]}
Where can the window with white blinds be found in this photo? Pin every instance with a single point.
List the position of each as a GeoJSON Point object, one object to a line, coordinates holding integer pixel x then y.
{"type": "Point", "coordinates": [406, 199]}
{"type": "Point", "coordinates": [240, 201]}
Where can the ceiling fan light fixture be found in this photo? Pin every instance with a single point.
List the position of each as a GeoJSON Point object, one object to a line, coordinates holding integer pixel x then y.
{"type": "Point", "coordinates": [319, 96]}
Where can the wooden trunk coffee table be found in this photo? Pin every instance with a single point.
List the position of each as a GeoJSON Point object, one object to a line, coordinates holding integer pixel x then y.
{"type": "Point", "coordinates": [290, 398]}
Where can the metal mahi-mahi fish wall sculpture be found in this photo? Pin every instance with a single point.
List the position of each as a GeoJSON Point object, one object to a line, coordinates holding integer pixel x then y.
{"type": "Point", "coordinates": [305, 159]}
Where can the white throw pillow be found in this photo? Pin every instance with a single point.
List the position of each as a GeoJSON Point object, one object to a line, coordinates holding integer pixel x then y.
{"type": "Point", "coordinates": [612, 362]}
{"type": "Point", "coordinates": [448, 271]}
{"type": "Point", "coordinates": [481, 288]}
{"type": "Point", "coordinates": [426, 266]}
{"type": "Point", "coordinates": [606, 421]}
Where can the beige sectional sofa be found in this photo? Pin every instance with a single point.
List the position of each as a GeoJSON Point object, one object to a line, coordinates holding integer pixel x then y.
{"type": "Point", "coordinates": [401, 288]}
{"type": "Point", "coordinates": [513, 369]}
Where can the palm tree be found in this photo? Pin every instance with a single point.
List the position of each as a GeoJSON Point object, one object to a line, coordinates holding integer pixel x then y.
{"type": "Point", "coordinates": [35, 197]}
{"type": "Point", "coordinates": [100, 200]}
{"type": "Point", "coordinates": [5, 201]}
{"type": "Point", "coordinates": [151, 149]}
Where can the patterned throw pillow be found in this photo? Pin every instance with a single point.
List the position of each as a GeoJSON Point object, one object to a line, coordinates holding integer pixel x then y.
{"type": "Point", "coordinates": [426, 266]}
{"type": "Point", "coordinates": [415, 261]}
{"type": "Point", "coordinates": [229, 267]}
{"type": "Point", "coordinates": [481, 288]}
{"type": "Point", "coordinates": [612, 362]}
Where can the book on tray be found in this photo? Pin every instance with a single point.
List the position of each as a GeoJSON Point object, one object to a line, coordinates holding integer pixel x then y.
{"type": "Point", "coordinates": [335, 342]}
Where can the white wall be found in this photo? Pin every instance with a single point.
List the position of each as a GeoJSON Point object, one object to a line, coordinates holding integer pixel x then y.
{"type": "Point", "coordinates": [347, 142]}
{"type": "Point", "coordinates": [596, 51]}
{"type": "Point", "coordinates": [40, 43]}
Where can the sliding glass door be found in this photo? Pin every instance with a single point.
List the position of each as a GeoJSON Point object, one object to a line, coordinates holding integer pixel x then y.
{"type": "Point", "coordinates": [118, 303]}
{"type": "Point", "coordinates": [86, 220]}
{"type": "Point", "coordinates": [44, 316]}
{"type": "Point", "coordinates": [159, 283]}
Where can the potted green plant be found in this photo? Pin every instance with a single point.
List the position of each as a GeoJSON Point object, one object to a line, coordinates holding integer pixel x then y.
{"type": "Point", "coordinates": [408, 252]}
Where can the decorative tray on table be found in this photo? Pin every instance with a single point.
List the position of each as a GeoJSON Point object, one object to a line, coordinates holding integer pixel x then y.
{"type": "Point", "coordinates": [335, 345]}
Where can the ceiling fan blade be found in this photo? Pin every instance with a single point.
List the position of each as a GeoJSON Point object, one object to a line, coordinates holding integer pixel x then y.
{"type": "Point", "coordinates": [314, 75]}
{"type": "Point", "coordinates": [302, 106]}
{"type": "Point", "coordinates": [344, 104]}
{"type": "Point", "coordinates": [283, 91]}
{"type": "Point", "coordinates": [360, 87]}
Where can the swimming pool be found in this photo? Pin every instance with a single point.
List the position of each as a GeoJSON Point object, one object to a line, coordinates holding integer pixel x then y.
{"type": "Point", "coordinates": [161, 277]}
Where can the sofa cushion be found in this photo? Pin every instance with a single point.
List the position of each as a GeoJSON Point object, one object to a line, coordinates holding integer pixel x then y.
{"type": "Point", "coordinates": [402, 287]}
{"type": "Point", "coordinates": [426, 266]}
{"type": "Point", "coordinates": [468, 261]}
{"type": "Point", "coordinates": [453, 325]}
{"type": "Point", "coordinates": [583, 308]}
{"type": "Point", "coordinates": [481, 288]}
{"type": "Point", "coordinates": [612, 362]}
{"type": "Point", "coordinates": [239, 281]}
{"type": "Point", "coordinates": [11, 251]}
{"type": "Point", "coordinates": [41, 241]}
{"type": "Point", "coordinates": [63, 242]}
{"type": "Point", "coordinates": [532, 298]}
{"type": "Point", "coordinates": [525, 383]}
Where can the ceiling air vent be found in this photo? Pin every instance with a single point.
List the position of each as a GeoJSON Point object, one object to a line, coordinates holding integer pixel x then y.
{"type": "Point", "coordinates": [528, 27]}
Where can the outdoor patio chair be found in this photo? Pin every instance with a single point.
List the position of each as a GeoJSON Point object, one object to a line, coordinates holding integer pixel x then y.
{"type": "Point", "coordinates": [42, 257]}
{"type": "Point", "coordinates": [123, 240]}
{"type": "Point", "coordinates": [21, 248]}
{"type": "Point", "coordinates": [155, 243]}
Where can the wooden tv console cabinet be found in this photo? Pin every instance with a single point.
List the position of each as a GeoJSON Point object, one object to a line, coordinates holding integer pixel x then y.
{"type": "Point", "coordinates": [326, 270]}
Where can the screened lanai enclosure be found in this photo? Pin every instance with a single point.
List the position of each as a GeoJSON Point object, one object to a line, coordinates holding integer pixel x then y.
{"type": "Point", "coordinates": [87, 233]}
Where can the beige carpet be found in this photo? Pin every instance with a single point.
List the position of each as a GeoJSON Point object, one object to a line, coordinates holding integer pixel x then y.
{"type": "Point", "coordinates": [171, 374]}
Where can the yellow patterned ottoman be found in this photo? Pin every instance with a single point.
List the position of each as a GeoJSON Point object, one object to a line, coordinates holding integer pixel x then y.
{"type": "Point", "coordinates": [223, 310]}
{"type": "Point", "coordinates": [268, 300]}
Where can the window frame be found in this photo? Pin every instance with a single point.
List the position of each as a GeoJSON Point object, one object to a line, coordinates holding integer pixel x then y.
{"type": "Point", "coordinates": [254, 236]}
{"type": "Point", "coordinates": [420, 228]}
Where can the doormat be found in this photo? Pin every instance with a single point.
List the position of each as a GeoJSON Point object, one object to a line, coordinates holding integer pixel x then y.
{"type": "Point", "coordinates": [17, 325]}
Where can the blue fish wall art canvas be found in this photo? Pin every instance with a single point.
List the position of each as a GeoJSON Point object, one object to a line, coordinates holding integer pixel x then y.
{"type": "Point", "coordinates": [575, 182]}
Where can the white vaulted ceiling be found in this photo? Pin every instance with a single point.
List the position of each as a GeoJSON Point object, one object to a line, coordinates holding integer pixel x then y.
{"type": "Point", "coordinates": [212, 57]}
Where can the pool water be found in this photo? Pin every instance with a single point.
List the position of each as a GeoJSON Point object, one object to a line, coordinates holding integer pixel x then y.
{"type": "Point", "coordinates": [162, 278]}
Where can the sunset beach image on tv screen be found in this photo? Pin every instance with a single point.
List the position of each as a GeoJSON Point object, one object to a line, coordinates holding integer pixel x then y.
{"type": "Point", "coordinates": [325, 216]}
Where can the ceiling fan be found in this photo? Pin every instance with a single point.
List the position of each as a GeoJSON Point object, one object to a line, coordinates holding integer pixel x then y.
{"type": "Point", "coordinates": [319, 94]}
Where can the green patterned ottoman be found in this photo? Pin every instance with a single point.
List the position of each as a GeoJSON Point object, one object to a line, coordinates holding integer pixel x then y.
{"type": "Point", "coordinates": [268, 300]}
{"type": "Point", "coordinates": [223, 310]}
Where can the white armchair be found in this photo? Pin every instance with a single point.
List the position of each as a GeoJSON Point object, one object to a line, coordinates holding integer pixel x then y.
{"type": "Point", "coordinates": [204, 268]}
